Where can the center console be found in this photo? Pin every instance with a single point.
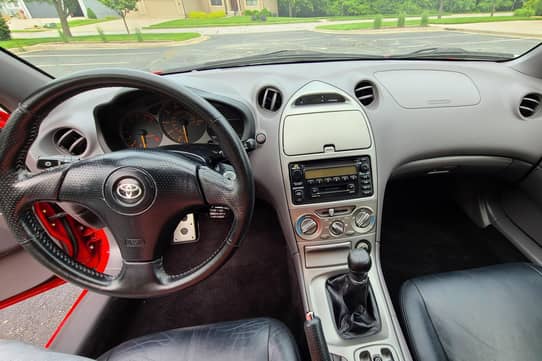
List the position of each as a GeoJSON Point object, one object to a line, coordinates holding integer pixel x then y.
{"type": "Point", "coordinates": [329, 165]}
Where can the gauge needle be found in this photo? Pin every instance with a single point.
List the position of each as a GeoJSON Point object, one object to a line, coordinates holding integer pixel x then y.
{"type": "Point", "coordinates": [185, 134]}
{"type": "Point", "coordinates": [144, 141]}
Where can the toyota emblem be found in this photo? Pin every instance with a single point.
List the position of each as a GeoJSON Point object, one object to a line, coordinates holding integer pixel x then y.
{"type": "Point", "coordinates": [129, 190]}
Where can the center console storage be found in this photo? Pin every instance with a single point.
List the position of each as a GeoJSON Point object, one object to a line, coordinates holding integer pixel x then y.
{"type": "Point", "coordinates": [328, 163]}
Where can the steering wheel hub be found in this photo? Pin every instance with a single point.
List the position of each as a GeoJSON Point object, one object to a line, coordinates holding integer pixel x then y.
{"type": "Point", "coordinates": [129, 191]}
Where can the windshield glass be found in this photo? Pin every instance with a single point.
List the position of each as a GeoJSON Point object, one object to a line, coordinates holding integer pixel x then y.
{"type": "Point", "coordinates": [64, 36]}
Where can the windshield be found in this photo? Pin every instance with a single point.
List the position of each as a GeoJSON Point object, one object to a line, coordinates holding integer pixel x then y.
{"type": "Point", "coordinates": [65, 36]}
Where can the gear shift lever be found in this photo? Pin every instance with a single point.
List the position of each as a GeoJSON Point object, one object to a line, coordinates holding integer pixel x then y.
{"type": "Point", "coordinates": [353, 305]}
{"type": "Point", "coordinates": [359, 263]}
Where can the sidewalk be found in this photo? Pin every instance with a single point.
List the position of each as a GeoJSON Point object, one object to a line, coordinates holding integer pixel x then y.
{"type": "Point", "coordinates": [530, 28]}
{"type": "Point", "coordinates": [117, 27]}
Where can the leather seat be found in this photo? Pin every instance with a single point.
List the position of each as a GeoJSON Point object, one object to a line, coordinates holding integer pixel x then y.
{"type": "Point", "coordinates": [492, 313]}
{"type": "Point", "coordinates": [251, 340]}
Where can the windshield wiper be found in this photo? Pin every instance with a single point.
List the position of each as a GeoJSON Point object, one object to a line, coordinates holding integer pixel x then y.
{"type": "Point", "coordinates": [453, 54]}
{"type": "Point", "coordinates": [276, 57]}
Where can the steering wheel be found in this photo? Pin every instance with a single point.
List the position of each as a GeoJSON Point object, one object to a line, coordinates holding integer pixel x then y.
{"type": "Point", "coordinates": [135, 193]}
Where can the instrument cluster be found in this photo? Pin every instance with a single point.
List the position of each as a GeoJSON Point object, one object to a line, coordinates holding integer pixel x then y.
{"type": "Point", "coordinates": [150, 122]}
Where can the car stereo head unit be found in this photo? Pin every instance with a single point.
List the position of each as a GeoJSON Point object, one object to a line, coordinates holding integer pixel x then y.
{"type": "Point", "coordinates": [331, 180]}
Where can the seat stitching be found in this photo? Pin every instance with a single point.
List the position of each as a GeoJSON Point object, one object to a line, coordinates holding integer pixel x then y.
{"type": "Point", "coordinates": [407, 322]}
{"type": "Point", "coordinates": [430, 319]}
{"type": "Point", "coordinates": [268, 340]}
{"type": "Point", "coordinates": [534, 269]}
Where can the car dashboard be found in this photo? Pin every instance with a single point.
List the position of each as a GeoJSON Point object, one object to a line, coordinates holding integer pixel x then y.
{"type": "Point", "coordinates": [325, 139]}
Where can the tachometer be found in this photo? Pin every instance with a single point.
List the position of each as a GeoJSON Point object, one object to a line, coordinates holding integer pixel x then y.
{"type": "Point", "coordinates": [180, 125]}
{"type": "Point", "coordinates": [139, 129]}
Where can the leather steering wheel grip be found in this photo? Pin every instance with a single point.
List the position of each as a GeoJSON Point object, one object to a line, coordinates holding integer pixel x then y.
{"type": "Point", "coordinates": [142, 274]}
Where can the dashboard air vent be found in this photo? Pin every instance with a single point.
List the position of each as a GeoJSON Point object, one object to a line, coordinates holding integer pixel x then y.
{"type": "Point", "coordinates": [365, 92]}
{"type": "Point", "coordinates": [70, 141]}
{"type": "Point", "coordinates": [270, 98]}
{"type": "Point", "coordinates": [529, 104]}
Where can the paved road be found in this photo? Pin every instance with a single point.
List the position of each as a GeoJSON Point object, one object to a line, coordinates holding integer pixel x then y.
{"type": "Point", "coordinates": [34, 320]}
{"type": "Point", "coordinates": [63, 61]}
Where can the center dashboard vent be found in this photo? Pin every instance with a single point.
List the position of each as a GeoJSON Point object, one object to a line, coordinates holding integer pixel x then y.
{"type": "Point", "coordinates": [365, 92]}
{"type": "Point", "coordinates": [529, 104]}
{"type": "Point", "coordinates": [70, 141]}
{"type": "Point", "coordinates": [270, 98]}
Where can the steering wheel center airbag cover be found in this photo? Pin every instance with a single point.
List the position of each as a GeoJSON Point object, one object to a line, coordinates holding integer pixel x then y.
{"type": "Point", "coordinates": [129, 191]}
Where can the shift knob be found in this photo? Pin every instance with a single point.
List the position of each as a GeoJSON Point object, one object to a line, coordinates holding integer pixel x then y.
{"type": "Point", "coordinates": [359, 263]}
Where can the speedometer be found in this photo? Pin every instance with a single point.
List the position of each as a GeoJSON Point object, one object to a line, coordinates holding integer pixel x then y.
{"type": "Point", "coordinates": [180, 125]}
{"type": "Point", "coordinates": [139, 129]}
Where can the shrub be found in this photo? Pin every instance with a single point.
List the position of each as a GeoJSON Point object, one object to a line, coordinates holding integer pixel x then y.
{"type": "Point", "coordinates": [101, 33]}
{"type": "Point", "coordinates": [91, 14]}
{"type": "Point", "coordinates": [524, 12]}
{"type": "Point", "coordinates": [50, 26]}
{"type": "Point", "coordinates": [424, 20]}
{"type": "Point", "coordinates": [217, 14]}
{"type": "Point", "coordinates": [139, 35]}
{"type": "Point", "coordinates": [5, 33]}
{"type": "Point", "coordinates": [401, 20]}
{"type": "Point", "coordinates": [377, 23]}
{"type": "Point", "coordinates": [255, 15]}
{"type": "Point", "coordinates": [197, 15]}
{"type": "Point", "coordinates": [265, 12]}
{"type": "Point", "coordinates": [248, 12]}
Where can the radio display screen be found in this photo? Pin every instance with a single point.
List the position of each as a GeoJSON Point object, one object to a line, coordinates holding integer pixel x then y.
{"type": "Point", "coordinates": [329, 172]}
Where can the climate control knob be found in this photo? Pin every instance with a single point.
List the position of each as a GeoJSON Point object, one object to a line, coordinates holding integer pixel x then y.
{"type": "Point", "coordinates": [336, 228]}
{"type": "Point", "coordinates": [306, 226]}
{"type": "Point", "coordinates": [364, 219]}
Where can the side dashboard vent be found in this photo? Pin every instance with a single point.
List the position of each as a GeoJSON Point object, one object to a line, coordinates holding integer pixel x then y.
{"type": "Point", "coordinates": [270, 98]}
{"type": "Point", "coordinates": [365, 92]}
{"type": "Point", "coordinates": [529, 104]}
{"type": "Point", "coordinates": [70, 141]}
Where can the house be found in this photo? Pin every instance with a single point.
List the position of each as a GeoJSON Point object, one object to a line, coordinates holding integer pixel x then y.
{"type": "Point", "coordinates": [181, 8]}
{"type": "Point", "coordinates": [29, 9]}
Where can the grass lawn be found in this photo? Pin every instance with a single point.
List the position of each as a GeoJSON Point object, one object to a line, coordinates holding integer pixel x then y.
{"type": "Point", "coordinates": [124, 38]}
{"type": "Point", "coordinates": [80, 22]}
{"type": "Point", "coordinates": [72, 23]}
{"type": "Point", "coordinates": [416, 22]}
{"type": "Point", "coordinates": [227, 21]}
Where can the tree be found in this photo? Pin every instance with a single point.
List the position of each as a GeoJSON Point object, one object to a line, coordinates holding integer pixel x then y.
{"type": "Point", "coordinates": [440, 8]}
{"type": "Point", "coordinates": [122, 7]}
{"type": "Point", "coordinates": [5, 33]}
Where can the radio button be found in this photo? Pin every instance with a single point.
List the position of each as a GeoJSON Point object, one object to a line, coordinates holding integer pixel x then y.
{"type": "Point", "coordinates": [345, 178]}
{"type": "Point", "coordinates": [299, 195]}
{"type": "Point", "coordinates": [327, 180]}
{"type": "Point", "coordinates": [315, 190]}
{"type": "Point", "coordinates": [310, 182]}
{"type": "Point", "coordinates": [319, 181]}
{"type": "Point", "coordinates": [353, 177]}
{"type": "Point", "coordinates": [336, 179]}
{"type": "Point", "coordinates": [364, 168]}
{"type": "Point", "coordinates": [297, 175]}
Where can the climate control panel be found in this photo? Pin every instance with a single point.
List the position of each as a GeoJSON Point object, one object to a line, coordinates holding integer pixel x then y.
{"type": "Point", "coordinates": [330, 223]}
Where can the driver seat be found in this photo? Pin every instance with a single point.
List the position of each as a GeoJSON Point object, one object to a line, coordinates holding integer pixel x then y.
{"type": "Point", "coordinates": [260, 339]}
